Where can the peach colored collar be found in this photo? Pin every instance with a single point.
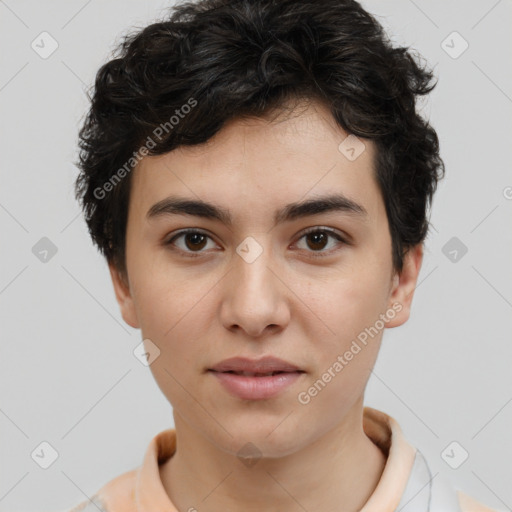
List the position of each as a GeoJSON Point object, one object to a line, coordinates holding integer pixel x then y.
{"type": "Point", "coordinates": [382, 429]}
{"type": "Point", "coordinates": [386, 433]}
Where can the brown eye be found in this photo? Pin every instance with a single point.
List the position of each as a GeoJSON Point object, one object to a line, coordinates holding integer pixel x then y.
{"type": "Point", "coordinates": [193, 241]}
{"type": "Point", "coordinates": [318, 238]}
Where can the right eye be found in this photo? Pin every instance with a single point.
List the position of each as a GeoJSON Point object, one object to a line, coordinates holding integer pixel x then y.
{"type": "Point", "coordinates": [192, 238]}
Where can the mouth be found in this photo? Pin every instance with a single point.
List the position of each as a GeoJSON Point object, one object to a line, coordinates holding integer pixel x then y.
{"type": "Point", "coordinates": [257, 374]}
{"type": "Point", "coordinates": [256, 385]}
{"type": "Point", "coordinates": [256, 379]}
{"type": "Point", "coordinates": [265, 366]}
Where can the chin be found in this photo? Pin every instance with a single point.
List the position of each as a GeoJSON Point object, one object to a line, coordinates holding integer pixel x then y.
{"type": "Point", "coordinates": [259, 439]}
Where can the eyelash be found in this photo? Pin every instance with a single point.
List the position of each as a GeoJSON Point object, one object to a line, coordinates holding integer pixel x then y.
{"type": "Point", "coordinates": [314, 254]}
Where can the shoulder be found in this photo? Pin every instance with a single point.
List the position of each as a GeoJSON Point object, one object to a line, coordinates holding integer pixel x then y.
{"type": "Point", "coordinates": [469, 504]}
{"type": "Point", "coordinates": [117, 495]}
{"type": "Point", "coordinates": [445, 496]}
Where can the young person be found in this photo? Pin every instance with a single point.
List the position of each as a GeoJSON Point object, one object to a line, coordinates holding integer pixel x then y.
{"type": "Point", "coordinates": [258, 178]}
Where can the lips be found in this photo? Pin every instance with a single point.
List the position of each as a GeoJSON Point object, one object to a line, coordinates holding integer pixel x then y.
{"type": "Point", "coordinates": [265, 366]}
{"type": "Point", "coordinates": [256, 379]}
{"type": "Point", "coordinates": [260, 379]}
{"type": "Point", "coordinates": [254, 374]}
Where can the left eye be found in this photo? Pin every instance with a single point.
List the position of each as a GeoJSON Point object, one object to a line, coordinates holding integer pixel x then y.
{"type": "Point", "coordinates": [196, 240]}
{"type": "Point", "coordinates": [319, 238]}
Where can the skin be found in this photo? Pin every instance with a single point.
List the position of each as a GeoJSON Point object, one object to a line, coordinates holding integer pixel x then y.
{"type": "Point", "coordinates": [287, 303]}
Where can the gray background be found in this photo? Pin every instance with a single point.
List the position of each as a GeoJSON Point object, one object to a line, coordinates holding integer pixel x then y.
{"type": "Point", "coordinates": [68, 374]}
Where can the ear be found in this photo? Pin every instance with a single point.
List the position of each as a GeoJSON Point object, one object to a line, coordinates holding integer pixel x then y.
{"type": "Point", "coordinates": [403, 286]}
{"type": "Point", "coordinates": [123, 296]}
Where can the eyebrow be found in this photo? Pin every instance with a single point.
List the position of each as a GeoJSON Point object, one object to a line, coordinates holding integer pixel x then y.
{"type": "Point", "coordinates": [331, 203]}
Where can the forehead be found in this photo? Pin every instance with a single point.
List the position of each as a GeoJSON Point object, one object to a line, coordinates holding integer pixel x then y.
{"type": "Point", "coordinates": [262, 163]}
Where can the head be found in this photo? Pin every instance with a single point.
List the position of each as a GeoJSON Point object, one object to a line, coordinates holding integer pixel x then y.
{"type": "Point", "coordinates": [287, 136]}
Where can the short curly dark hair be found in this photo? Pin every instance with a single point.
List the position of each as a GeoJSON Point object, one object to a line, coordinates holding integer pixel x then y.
{"type": "Point", "coordinates": [214, 60]}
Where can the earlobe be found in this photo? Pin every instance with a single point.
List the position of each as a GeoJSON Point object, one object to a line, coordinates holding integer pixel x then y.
{"type": "Point", "coordinates": [404, 284]}
{"type": "Point", "coordinates": [123, 297]}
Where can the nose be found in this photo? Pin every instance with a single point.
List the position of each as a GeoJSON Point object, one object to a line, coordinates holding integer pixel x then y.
{"type": "Point", "coordinates": [255, 295]}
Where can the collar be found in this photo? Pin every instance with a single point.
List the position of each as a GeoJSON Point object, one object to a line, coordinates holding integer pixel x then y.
{"type": "Point", "coordinates": [399, 481]}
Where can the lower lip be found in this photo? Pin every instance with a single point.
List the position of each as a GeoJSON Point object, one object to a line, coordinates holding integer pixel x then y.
{"type": "Point", "coordinates": [256, 388]}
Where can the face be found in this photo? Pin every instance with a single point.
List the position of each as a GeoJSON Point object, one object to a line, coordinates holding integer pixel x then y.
{"type": "Point", "coordinates": [305, 286]}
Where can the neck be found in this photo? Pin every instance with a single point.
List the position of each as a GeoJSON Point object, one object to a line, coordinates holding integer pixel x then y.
{"type": "Point", "coordinates": [338, 471]}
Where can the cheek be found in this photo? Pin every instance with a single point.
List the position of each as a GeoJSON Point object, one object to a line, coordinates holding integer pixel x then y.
{"type": "Point", "coordinates": [161, 293]}
{"type": "Point", "coordinates": [348, 303]}
{"type": "Point", "coordinates": [173, 310]}
{"type": "Point", "coordinates": [346, 323]}
{"type": "Point", "coordinates": [169, 310]}
{"type": "Point", "coordinates": [346, 351]}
